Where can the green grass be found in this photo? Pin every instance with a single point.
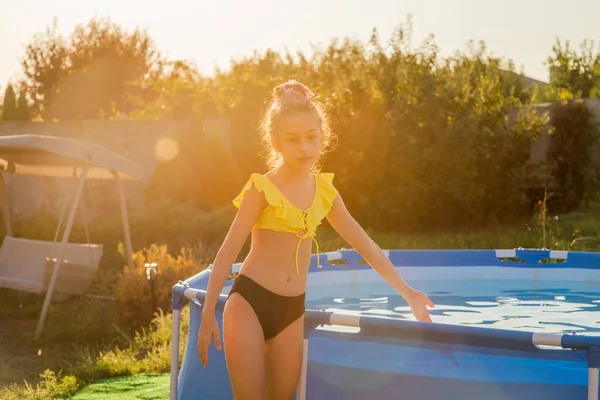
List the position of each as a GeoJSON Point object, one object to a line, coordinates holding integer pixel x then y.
{"type": "Point", "coordinates": [65, 365]}
{"type": "Point", "coordinates": [142, 386]}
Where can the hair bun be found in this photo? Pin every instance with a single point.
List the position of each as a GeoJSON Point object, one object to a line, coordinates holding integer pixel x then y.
{"type": "Point", "coordinates": [291, 87]}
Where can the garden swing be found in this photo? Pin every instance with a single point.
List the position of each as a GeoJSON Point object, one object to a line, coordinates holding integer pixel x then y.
{"type": "Point", "coordinates": [57, 267]}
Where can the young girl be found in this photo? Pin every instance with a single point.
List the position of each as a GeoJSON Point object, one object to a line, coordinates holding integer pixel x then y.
{"type": "Point", "coordinates": [263, 320]}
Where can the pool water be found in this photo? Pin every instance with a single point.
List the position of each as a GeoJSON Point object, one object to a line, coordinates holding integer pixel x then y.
{"type": "Point", "coordinates": [546, 307]}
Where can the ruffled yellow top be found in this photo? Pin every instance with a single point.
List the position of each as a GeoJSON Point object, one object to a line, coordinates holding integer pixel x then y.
{"type": "Point", "coordinates": [281, 215]}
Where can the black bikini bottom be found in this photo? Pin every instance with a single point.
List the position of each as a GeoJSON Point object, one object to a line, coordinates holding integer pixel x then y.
{"type": "Point", "coordinates": [274, 312]}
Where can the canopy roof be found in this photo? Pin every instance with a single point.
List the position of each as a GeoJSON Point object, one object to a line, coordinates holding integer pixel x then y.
{"type": "Point", "coordinates": [57, 156]}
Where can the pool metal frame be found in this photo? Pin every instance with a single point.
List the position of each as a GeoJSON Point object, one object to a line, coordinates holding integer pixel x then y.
{"type": "Point", "coordinates": [423, 331]}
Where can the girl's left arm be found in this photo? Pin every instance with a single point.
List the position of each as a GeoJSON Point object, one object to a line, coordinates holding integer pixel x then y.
{"type": "Point", "coordinates": [351, 231]}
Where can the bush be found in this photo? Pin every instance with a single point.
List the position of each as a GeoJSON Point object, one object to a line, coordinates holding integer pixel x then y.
{"type": "Point", "coordinates": [148, 352]}
{"type": "Point", "coordinates": [425, 142]}
{"type": "Point", "coordinates": [133, 292]}
{"type": "Point", "coordinates": [575, 132]}
{"type": "Point", "coordinates": [51, 386]}
{"type": "Point", "coordinates": [196, 175]}
{"type": "Point", "coordinates": [181, 224]}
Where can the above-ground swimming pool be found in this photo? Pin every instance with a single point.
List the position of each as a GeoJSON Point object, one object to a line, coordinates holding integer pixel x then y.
{"type": "Point", "coordinates": [508, 324]}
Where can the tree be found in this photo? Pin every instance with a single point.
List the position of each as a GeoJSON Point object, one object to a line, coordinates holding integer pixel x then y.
{"type": "Point", "coordinates": [9, 107]}
{"type": "Point", "coordinates": [572, 74]}
{"type": "Point", "coordinates": [45, 65]}
{"type": "Point", "coordinates": [23, 107]}
{"type": "Point", "coordinates": [96, 72]}
{"type": "Point", "coordinates": [425, 142]}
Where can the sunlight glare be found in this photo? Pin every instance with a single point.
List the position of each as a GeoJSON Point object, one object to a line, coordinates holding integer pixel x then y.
{"type": "Point", "coordinates": [166, 149]}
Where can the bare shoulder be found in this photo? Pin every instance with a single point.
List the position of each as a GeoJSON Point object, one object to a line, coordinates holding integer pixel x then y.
{"type": "Point", "coordinates": [338, 206]}
{"type": "Point", "coordinates": [346, 225]}
{"type": "Point", "coordinates": [251, 205]}
{"type": "Point", "coordinates": [252, 202]}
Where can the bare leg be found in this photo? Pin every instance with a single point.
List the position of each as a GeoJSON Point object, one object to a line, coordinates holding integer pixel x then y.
{"type": "Point", "coordinates": [283, 361]}
{"type": "Point", "coordinates": [243, 341]}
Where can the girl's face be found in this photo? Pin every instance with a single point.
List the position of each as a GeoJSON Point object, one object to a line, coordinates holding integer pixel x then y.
{"type": "Point", "coordinates": [299, 139]}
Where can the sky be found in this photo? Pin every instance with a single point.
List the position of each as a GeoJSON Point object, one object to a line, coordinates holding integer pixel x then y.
{"type": "Point", "coordinates": [212, 33]}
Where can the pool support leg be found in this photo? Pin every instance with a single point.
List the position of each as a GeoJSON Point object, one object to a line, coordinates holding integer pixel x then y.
{"type": "Point", "coordinates": [301, 388]}
{"type": "Point", "coordinates": [593, 364]}
{"type": "Point", "coordinates": [176, 304]}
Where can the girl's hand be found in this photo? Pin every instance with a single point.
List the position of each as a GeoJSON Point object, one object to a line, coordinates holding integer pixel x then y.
{"type": "Point", "coordinates": [209, 329]}
{"type": "Point", "coordinates": [418, 302]}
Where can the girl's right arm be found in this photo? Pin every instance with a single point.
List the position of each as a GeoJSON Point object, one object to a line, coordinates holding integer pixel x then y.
{"type": "Point", "coordinates": [250, 208]}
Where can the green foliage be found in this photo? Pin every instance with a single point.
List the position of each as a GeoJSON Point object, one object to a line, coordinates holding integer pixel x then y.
{"type": "Point", "coordinates": [51, 386]}
{"type": "Point", "coordinates": [99, 58]}
{"type": "Point", "coordinates": [23, 107]}
{"type": "Point", "coordinates": [451, 157]}
{"type": "Point", "coordinates": [148, 351]}
{"type": "Point", "coordinates": [13, 109]}
{"type": "Point", "coordinates": [178, 92]}
{"type": "Point", "coordinates": [9, 107]}
{"type": "Point", "coordinates": [196, 175]}
{"type": "Point", "coordinates": [424, 141]}
{"type": "Point", "coordinates": [575, 131]}
{"type": "Point", "coordinates": [134, 292]}
{"type": "Point", "coordinates": [45, 64]}
{"type": "Point", "coordinates": [573, 74]}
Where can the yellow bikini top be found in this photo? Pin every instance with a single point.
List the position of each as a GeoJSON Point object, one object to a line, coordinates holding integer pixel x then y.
{"type": "Point", "coordinates": [281, 215]}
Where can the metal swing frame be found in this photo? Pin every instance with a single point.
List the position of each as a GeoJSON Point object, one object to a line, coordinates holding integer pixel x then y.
{"type": "Point", "coordinates": [59, 157]}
